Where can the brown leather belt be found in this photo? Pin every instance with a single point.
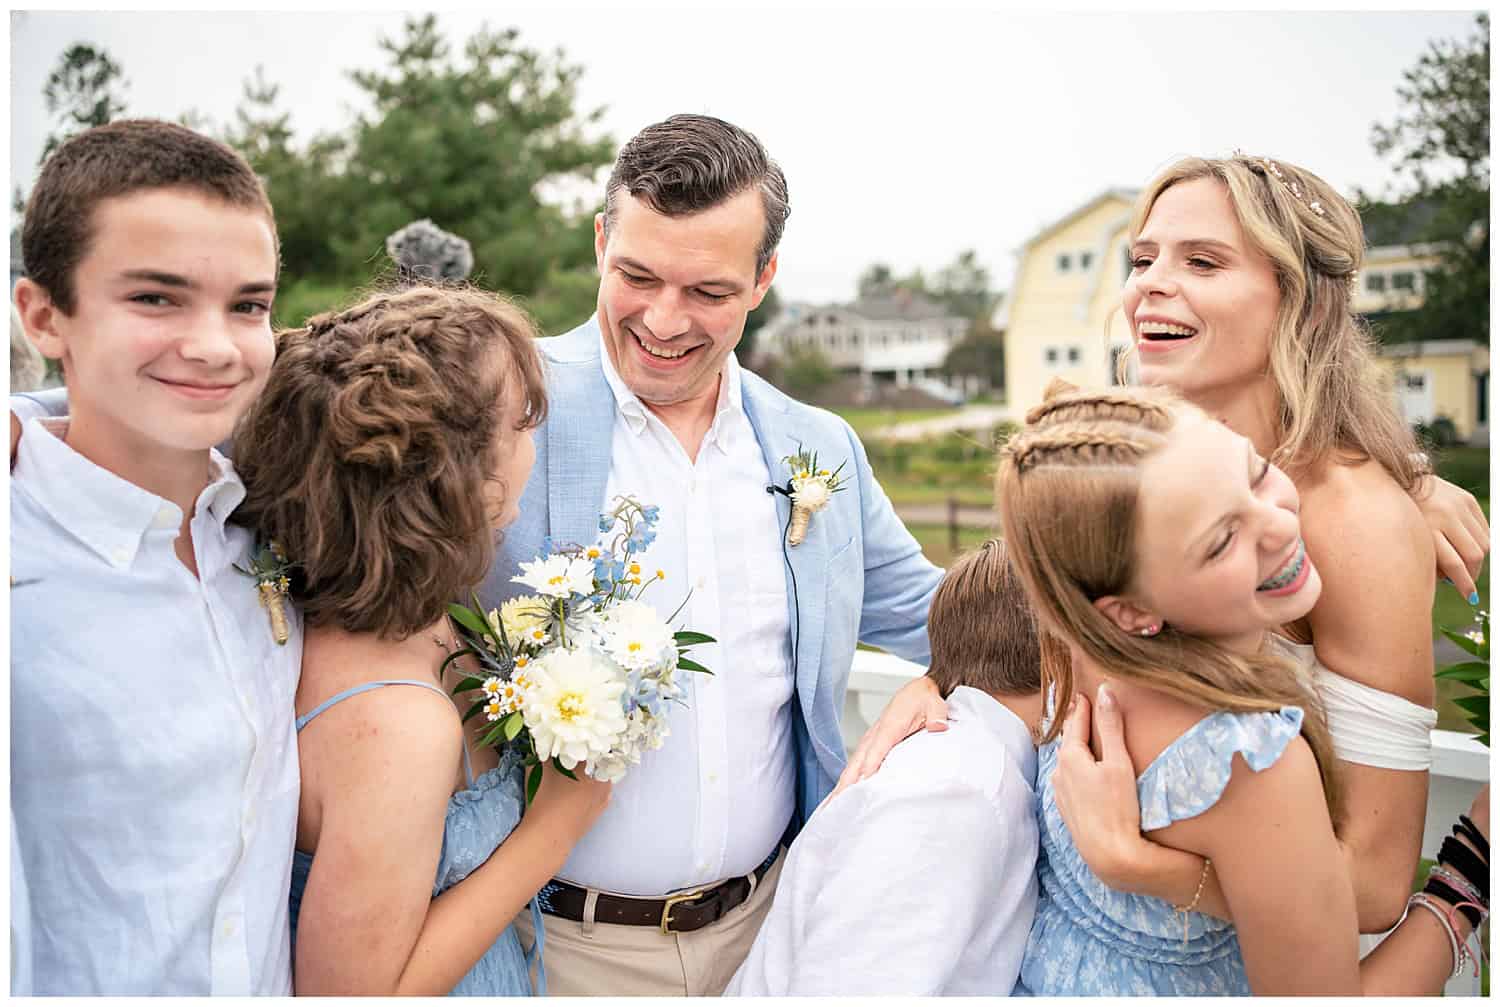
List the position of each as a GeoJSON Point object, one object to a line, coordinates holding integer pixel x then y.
{"type": "Point", "coordinates": [679, 913]}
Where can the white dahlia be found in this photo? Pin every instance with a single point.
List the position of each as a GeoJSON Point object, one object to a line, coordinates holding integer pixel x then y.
{"type": "Point", "coordinates": [557, 576]}
{"type": "Point", "coordinates": [573, 706]}
{"type": "Point", "coordinates": [634, 635]}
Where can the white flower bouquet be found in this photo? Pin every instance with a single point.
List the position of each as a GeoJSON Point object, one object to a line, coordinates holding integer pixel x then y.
{"type": "Point", "coordinates": [581, 671]}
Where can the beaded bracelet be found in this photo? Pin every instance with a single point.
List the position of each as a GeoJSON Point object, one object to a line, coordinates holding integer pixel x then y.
{"type": "Point", "coordinates": [1456, 881]}
{"type": "Point", "coordinates": [1460, 951]}
{"type": "Point", "coordinates": [1456, 855]}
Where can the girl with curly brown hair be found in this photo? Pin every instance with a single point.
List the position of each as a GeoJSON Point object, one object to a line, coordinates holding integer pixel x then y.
{"type": "Point", "coordinates": [390, 443]}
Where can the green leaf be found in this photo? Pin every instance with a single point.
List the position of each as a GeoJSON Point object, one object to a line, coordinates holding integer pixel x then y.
{"type": "Point", "coordinates": [471, 621]}
{"type": "Point", "coordinates": [688, 664]}
{"type": "Point", "coordinates": [1468, 671]}
{"type": "Point", "coordinates": [493, 734]}
{"type": "Point", "coordinates": [473, 710]}
{"type": "Point", "coordinates": [468, 683]}
{"type": "Point", "coordinates": [1474, 704]}
{"type": "Point", "coordinates": [512, 725]}
{"type": "Point", "coordinates": [533, 783]}
{"type": "Point", "coordinates": [1463, 642]}
{"type": "Point", "coordinates": [687, 638]}
{"type": "Point", "coordinates": [462, 652]}
{"type": "Point", "coordinates": [566, 772]}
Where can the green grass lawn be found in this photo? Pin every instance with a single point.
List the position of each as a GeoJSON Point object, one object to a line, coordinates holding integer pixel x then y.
{"type": "Point", "coordinates": [864, 421]}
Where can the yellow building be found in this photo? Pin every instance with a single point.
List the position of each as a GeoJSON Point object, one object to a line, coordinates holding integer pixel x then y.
{"type": "Point", "coordinates": [1061, 318]}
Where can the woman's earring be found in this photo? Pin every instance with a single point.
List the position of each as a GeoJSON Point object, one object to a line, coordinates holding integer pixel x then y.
{"type": "Point", "coordinates": [1152, 629]}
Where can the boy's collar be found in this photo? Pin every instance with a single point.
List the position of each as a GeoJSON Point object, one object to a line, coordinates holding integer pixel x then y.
{"type": "Point", "coordinates": [105, 512]}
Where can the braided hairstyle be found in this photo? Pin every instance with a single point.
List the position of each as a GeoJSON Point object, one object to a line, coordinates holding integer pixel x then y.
{"type": "Point", "coordinates": [1067, 487]}
{"type": "Point", "coordinates": [367, 454]}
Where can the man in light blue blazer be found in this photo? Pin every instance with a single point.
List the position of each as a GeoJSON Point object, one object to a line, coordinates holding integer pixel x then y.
{"type": "Point", "coordinates": [665, 894]}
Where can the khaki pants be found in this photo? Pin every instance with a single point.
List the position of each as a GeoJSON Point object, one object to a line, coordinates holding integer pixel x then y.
{"type": "Point", "coordinates": [611, 959]}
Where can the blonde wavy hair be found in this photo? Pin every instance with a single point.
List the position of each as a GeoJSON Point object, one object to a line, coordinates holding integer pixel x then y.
{"type": "Point", "coordinates": [1332, 401]}
{"type": "Point", "coordinates": [1067, 488]}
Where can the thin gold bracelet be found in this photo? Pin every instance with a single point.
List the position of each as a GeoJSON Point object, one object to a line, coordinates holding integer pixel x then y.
{"type": "Point", "coordinates": [1184, 910]}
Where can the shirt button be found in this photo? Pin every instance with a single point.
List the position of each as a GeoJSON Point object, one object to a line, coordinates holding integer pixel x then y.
{"type": "Point", "coordinates": [231, 927]}
{"type": "Point", "coordinates": [165, 518]}
{"type": "Point", "coordinates": [120, 556]}
{"type": "Point", "coordinates": [699, 583]}
{"type": "Point", "coordinates": [713, 777]}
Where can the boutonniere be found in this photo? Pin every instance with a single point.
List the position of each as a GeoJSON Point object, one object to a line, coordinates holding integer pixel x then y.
{"type": "Point", "coordinates": [269, 568]}
{"type": "Point", "coordinates": [810, 487]}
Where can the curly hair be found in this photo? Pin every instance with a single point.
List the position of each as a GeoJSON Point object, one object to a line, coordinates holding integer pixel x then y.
{"type": "Point", "coordinates": [366, 457]}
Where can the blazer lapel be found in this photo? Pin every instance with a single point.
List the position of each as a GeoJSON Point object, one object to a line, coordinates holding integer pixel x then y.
{"type": "Point", "coordinates": [806, 580]}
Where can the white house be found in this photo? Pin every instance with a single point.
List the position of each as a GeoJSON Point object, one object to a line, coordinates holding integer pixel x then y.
{"type": "Point", "coordinates": [899, 338]}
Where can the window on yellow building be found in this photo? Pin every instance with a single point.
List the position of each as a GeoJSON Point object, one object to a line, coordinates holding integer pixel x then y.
{"type": "Point", "coordinates": [1052, 356]}
{"type": "Point", "coordinates": [1085, 260]}
{"type": "Point", "coordinates": [1375, 282]}
{"type": "Point", "coordinates": [1404, 281]}
{"type": "Point", "coordinates": [1075, 354]}
{"type": "Point", "coordinates": [1064, 262]}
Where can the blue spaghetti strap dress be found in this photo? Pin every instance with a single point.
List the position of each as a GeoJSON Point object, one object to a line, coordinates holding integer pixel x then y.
{"type": "Point", "coordinates": [1090, 940]}
{"type": "Point", "coordinates": [479, 819]}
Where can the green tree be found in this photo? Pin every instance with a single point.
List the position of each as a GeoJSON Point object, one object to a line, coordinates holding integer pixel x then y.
{"type": "Point", "coordinates": [1440, 143]}
{"type": "Point", "coordinates": [805, 372]}
{"type": "Point", "coordinates": [305, 187]}
{"type": "Point", "coordinates": [963, 286]}
{"type": "Point", "coordinates": [472, 144]}
{"type": "Point", "coordinates": [979, 354]}
{"type": "Point", "coordinates": [86, 89]}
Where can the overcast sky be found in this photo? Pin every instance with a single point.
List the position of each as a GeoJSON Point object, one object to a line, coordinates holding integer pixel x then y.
{"type": "Point", "coordinates": [906, 136]}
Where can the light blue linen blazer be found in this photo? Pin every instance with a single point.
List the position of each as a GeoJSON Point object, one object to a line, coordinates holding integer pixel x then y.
{"type": "Point", "coordinates": [859, 574]}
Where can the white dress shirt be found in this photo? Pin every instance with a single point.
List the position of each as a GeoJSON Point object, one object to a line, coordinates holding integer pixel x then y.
{"type": "Point", "coordinates": [716, 798]}
{"type": "Point", "coordinates": [920, 880]}
{"type": "Point", "coordinates": [153, 754]}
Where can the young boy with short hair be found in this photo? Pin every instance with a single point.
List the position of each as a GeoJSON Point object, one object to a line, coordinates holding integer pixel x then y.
{"type": "Point", "coordinates": [921, 879]}
{"type": "Point", "coordinates": [153, 754]}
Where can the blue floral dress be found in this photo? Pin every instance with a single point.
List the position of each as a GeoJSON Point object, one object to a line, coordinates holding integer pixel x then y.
{"type": "Point", "coordinates": [479, 819]}
{"type": "Point", "coordinates": [1091, 940]}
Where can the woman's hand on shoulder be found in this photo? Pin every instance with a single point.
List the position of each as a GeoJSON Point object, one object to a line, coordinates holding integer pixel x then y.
{"type": "Point", "coordinates": [916, 705]}
{"type": "Point", "coordinates": [568, 807]}
{"type": "Point", "coordinates": [1097, 798]}
{"type": "Point", "coordinates": [1460, 532]}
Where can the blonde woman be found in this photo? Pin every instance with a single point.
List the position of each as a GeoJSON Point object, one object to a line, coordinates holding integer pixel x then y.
{"type": "Point", "coordinates": [1239, 299]}
{"type": "Point", "coordinates": [1165, 549]}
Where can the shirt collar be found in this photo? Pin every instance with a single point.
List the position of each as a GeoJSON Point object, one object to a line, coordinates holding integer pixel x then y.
{"type": "Point", "coordinates": [637, 416]}
{"type": "Point", "coordinates": [107, 513]}
{"type": "Point", "coordinates": [999, 720]}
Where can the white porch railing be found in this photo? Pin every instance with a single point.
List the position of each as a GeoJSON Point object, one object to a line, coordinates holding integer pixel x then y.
{"type": "Point", "coordinates": [1459, 764]}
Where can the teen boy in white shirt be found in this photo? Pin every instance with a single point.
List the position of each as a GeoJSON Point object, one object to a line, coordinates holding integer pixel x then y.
{"type": "Point", "coordinates": [153, 755]}
{"type": "Point", "coordinates": [921, 879]}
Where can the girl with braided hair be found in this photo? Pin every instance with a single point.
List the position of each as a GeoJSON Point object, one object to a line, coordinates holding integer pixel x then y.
{"type": "Point", "coordinates": [1239, 300]}
{"type": "Point", "coordinates": [1165, 550]}
{"type": "Point", "coordinates": [390, 443]}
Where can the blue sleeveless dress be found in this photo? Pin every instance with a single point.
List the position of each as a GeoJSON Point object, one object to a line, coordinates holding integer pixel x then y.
{"type": "Point", "coordinates": [1091, 940]}
{"type": "Point", "coordinates": [478, 821]}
